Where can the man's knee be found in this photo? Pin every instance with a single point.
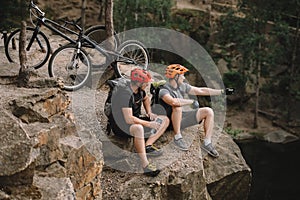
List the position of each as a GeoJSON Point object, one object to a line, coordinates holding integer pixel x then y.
{"type": "Point", "coordinates": [176, 109]}
{"type": "Point", "coordinates": [206, 112]}
{"type": "Point", "coordinates": [137, 130]}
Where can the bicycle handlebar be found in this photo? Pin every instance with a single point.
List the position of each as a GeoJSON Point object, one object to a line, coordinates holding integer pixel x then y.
{"type": "Point", "coordinates": [32, 5]}
{"type": "Point", "coordinates": [42, 14]}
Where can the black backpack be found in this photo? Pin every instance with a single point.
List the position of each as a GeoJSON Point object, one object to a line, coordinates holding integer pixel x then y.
{"type": "Point", "coordinates": [113, 87]}
{"type": "Point", "coordinates": [154, 90]}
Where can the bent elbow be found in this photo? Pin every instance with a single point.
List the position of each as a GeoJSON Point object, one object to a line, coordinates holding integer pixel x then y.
{"type": "Point", "coordinates": [175, 104]}
{"type": "Point", "coordinates": [129, 120]}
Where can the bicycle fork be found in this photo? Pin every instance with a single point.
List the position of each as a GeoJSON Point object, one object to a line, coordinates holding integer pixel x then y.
{"type": "Point", "coordinates": [74, 61]}
{"type": "Point", "coordinates": [73, 66]}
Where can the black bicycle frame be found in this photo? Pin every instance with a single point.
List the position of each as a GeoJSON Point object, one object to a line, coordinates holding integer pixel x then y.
{"type": "Point", "coordinates": [50, 25]}
{"type": "Point", "coordinates": [107, 53]}
{"type": "Point", "coordinates": [42, 20]}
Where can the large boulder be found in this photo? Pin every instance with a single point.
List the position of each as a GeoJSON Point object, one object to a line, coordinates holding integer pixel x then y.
{"type": "Point", "coordinates": [42, 155]}
{"type": "Point", "coordinates": [184, 175]}
{"type": "Point", "coordinates": [280, 136]}
{"type": "Point", "coordinates": [40, 107]}
{"type": "Point", "coordinates": [16, 149]}
{"type": "Point", "coordinates": [228, 176]}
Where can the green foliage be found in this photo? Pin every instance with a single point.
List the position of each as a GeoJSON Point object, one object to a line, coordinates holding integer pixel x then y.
{"type": "Point", "coordinates": [255, 38]}
{"type": "Point", "coordinates": [191, 22]}
{"type": "Point", "coordinates": [280, 40]}
{"type": "Point", "coordinates": [233, 28]}
{"type": "Point", "coordinates": [11, 13]}
{"type": "Point", "coordinates": [274, 10]}
{"type": "Point", "coordinates": [181, 23]}
{"type": "Point", "coordinates": [249, 31]}
{"type": "Point", "coordinates": [130, 14]}
{"type": "Point", "coordinates": [233, 132]}
{"type": "Point", "coordinates": [234, 80]}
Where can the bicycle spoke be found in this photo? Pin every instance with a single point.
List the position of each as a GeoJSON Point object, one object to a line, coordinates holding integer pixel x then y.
{"type": "Point", "coordinates": [98, 34]}
{"type": "Point", "coordinates": [72, 68]}
{"type": "Point", "coordinates": [37, 54]}
{"type": "Point", "coordinates": [133, 54]}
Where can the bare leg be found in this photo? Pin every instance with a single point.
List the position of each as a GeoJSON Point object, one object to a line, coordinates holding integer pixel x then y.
{"type": "Point", "coordinates": [206, 114]}
{"type": "Point", "coordinates": [176, 119]}
{"type": "Point", "coordinates": [160, 131]}
{"type": "Point", "coordinates": [137, 132]}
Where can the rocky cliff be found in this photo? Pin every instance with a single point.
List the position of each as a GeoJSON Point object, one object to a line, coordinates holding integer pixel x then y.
{"type": "Point", "coordinates": [42, 155]}
{"type": "Point", "coordinates": [53, 146]}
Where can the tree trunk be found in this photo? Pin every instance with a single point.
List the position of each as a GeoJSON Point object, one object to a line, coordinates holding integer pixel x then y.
{"type": "Point", "coordinates": [109, 71]}
{"type": "Point", "coordinates": [83, 8]}
{"type": "Point", "coordinates": [257, 88]}
{"type": "Point", "coordinates": [109, 26]}
{"type": "Point", "coordinates": [24, 73]}
{"type": "Point", "coordinates": [101, 10]}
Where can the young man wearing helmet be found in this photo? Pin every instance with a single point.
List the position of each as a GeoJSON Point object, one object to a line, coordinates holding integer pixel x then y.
{"type": "Point", "coordinates": [126, 120]}
{"type": "Point", "coordinates": [172, 99]}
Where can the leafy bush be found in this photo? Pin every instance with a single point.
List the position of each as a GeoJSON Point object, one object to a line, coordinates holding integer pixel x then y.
{"type": "Point", "coordinates": [11, 13]}
{"type": "Point", "coordinates": [233, 132]}
{"type": "Point", "coordinates": [235, 80]}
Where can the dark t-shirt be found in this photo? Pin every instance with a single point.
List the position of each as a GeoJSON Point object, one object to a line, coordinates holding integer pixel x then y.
{"type": "Point", "coordinates": [125, 98]}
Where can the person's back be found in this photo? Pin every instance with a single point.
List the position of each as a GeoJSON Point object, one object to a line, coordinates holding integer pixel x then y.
{"type": "Point", "coordinates": [120, 98]}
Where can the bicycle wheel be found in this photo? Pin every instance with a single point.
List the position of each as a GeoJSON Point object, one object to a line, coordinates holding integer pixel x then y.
{"type": "Point", "coordinates": [72, 68]}
{"type": "Point", "coordinates": [135, 51]}
{"type": "Point", "coordinates": [98, 34]}
{"type": "Point", "coordinates": [37, 55]}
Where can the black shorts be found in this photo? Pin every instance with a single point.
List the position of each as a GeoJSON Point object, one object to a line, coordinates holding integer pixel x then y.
{"type": "Point", "coordinates": [126, 132]}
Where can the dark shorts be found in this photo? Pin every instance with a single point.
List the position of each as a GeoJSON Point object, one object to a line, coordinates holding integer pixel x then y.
{"type": "Point", "coordinates": [188, 119]}
{"type": "Point", "coordinates": [126, 131]}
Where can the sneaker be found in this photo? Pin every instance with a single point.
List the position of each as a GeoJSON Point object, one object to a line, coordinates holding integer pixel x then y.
{"type": "Point", "coordinates": [151, 170]}
{"type": "Point", "coordinates": [210, 150]}
{"type": "Point", "coordinates": [180, 143]}
{"type": "Point", "coordinates": [151, 150]}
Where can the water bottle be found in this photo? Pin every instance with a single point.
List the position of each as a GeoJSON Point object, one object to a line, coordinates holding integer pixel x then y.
{"type": "Point", "coordinates": [158, 120]}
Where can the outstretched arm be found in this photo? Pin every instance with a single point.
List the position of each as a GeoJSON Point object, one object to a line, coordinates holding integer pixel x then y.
{"type": "Point", "coordinates": [205, 91]}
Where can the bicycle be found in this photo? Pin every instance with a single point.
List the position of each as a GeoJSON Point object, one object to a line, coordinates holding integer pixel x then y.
{"type": "Point", "coordinates": [38, 46]}
{"type": "Point", "coordinates": [72, 64]}
{"type": "Point", "coordinates": [76, 72]}
{"type": "Point", "coordinates": [4, 36]}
